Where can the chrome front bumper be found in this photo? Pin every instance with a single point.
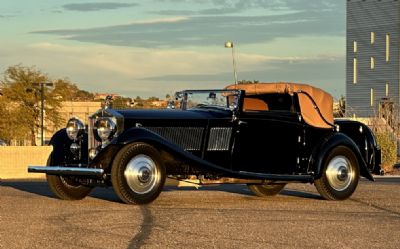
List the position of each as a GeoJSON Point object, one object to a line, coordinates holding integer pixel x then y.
{"type": "Point", "coordinates": [68, 171]}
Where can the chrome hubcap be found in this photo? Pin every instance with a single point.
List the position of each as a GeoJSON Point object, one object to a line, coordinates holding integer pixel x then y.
{"type": "Point", "coordinates": [141, 174]}
{"type": "Point", "coordinates": [340, 173]}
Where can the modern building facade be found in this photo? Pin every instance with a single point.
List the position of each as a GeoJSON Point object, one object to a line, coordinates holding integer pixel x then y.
{"type": "Point", "coordinates": [372, 66]}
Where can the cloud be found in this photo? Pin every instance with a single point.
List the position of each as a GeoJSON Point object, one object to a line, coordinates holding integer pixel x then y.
{"type": "Point", "coordinates": [106, 68]}
{"type": "Point", "coordinates": [6, 16]}
{"type": "Point", "coordinates": [149, 72]}
{"type": "Point", "coordinates": [239, 6]}
{"type": "Point", "coordinates": [213, 11]}
{"type": "Point", "coordinates": [97, 6]}
{"type": "Point", "coordinates": [209, 30]}
{"type": "Point", "coordinates": [324, 72]}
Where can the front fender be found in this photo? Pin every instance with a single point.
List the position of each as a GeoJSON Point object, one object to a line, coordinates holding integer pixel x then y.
{"type": "Point", "coordinates": [138, 134]}
{"type": "Point", "coordinates": [61, 149]}
{"type": "Point", "coordinates": [330, 142]}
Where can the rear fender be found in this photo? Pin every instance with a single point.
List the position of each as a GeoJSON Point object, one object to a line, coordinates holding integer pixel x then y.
{"type": "Point", "coordinates": [363, 136]}
{"type": "Point", "coordinates": [330, 142]}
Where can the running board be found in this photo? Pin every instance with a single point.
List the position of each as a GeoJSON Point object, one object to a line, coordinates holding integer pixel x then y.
{"type": "Point", "coordinates": [67, 171]}
{"type": "Point", "coordinates": [277, 177]}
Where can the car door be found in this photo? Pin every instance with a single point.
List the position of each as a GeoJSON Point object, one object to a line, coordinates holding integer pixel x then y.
{"type": "Point", "coordinates": [268, 142]}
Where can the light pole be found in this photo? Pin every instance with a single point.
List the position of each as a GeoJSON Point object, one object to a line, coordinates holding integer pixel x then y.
{"type": "Point", "coordinates": [229, 44]}
{"type": "Point", "coordinates": [42, 85]}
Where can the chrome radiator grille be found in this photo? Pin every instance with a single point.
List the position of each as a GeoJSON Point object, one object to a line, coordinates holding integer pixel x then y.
{"type": "Point", "coordinates": [219, 138]}
{"type": "Point", "coordinates": [92, 142]}
{"type": "Point", "coordinates": [189, 138]}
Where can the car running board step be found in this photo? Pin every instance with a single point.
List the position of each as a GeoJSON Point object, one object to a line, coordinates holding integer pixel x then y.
{"type": "Point", "coordinates": [277, 177]}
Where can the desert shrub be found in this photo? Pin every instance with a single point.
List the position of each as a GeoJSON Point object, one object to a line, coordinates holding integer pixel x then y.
{"type": "Point", "coordinates": [387, 141]}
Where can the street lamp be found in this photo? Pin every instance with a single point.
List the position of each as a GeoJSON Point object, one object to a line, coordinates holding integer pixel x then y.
{"type": "Point", "coordinates": [229, 44]}
{"type": "Point", "coordinates": [42, 85]}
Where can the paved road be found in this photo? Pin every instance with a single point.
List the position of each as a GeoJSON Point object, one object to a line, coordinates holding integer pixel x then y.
{"type": "Point", "coordinates": [212, 217]}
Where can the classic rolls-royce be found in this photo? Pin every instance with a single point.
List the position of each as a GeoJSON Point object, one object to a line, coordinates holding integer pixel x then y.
{"type": "Point", "coordinates": [264, 135]}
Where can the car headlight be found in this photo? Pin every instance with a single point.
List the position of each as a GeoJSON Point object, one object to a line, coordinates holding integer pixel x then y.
{"type": "Point", "coordinates": [104, 129]}
{"type": "Point", "coordinates": [75, 128]}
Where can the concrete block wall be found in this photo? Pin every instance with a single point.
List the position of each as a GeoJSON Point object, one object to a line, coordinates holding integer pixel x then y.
{"type": "Point", "coordinates": [14, 161]}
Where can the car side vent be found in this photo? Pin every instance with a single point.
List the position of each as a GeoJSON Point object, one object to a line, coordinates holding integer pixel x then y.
{"type": "Point", "coordinates": [189, 138]}
{"type": "Point", "coordinates": [219, 138]}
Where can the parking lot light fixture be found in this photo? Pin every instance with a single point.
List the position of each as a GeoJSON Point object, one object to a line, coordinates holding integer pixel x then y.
{"type": "Point", "coordinates": [42, 85]}
{"type": "Point", "coordinates": [229, 44]}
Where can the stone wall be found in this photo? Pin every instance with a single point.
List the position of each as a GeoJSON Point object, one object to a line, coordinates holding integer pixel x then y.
{"type": "Point", "coordinates": [14, 161]}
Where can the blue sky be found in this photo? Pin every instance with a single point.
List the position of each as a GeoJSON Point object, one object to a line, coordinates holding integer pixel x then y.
{"type": "Point", "coordinates": [155, 47]}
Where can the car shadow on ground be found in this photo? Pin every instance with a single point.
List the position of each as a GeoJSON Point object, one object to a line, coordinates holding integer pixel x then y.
{"type": "Point", "coordinates": [37, 187]}
{"type": "Point", "coordinates": [243, 190]}
{"type": "Point", "coordinates": [40, 187]}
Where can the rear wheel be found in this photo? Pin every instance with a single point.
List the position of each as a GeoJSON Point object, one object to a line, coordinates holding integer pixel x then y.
{"type": "Point", "coordinates": [266, 190]}
{"type": "Point", "coordinates": [340, 174]}
{"type": "Point", "coordinates": [64, 187]}
{"type": "Point", "coordinates": [138, 174]}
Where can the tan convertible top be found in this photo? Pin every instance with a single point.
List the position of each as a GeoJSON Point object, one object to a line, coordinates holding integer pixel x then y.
{"type": "Point", "coordinates": [310, 114]}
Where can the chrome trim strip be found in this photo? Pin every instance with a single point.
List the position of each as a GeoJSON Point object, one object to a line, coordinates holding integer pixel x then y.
{"type": "Point", "coordinates": [59, 170]}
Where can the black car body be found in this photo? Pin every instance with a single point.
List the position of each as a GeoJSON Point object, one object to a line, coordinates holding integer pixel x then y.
{"type": "Point", "coordinates": [262, 135]}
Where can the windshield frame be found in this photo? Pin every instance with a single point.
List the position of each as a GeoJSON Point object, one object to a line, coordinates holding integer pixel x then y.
{"type": "Point", "coordinates": [183, 97]}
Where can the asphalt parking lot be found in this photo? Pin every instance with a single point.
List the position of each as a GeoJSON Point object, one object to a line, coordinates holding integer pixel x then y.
{"type": "Point", "coordinates": [211, 217]}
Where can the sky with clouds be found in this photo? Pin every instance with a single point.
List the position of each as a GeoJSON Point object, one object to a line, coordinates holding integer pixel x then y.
{"type": "Point", "coordinates": [155, 47]}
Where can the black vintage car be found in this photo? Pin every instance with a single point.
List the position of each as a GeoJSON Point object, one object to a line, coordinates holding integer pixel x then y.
{"type": "Point", "coordinates": [262, 135]}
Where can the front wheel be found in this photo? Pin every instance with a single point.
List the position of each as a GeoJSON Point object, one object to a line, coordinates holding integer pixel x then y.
{"type": "Point", "coordinates": [266, 190]}
{"type": "Point", "coordinates": [340, 174]}
{"type": "Point", "coordinates": [138, 174]}
{"type": "Point", "coordinates": [66, 188]}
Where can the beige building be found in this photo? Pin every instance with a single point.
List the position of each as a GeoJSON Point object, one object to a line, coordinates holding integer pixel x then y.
{"type": "Point", "coordinates": [70, 109]}
{"type": "Point", "coordinates": [80, 110]}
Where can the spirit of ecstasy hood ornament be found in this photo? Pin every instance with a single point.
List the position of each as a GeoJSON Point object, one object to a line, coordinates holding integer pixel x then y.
{"type": "Point", "coordinates": [107, 102]}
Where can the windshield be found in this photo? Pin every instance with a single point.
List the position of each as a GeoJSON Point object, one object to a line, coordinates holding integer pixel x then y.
{"type": "Point", "coordinates": [222, 99]}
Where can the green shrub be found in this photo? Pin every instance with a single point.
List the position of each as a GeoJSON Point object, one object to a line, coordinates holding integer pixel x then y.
{"type": "Point", "coordinates": [387, 141]}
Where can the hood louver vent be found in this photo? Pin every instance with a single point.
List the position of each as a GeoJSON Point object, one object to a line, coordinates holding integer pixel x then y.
{"type": "Point", "coordinates": [220, 138]}
{"type": "Point", "coordinates": [189, 138]}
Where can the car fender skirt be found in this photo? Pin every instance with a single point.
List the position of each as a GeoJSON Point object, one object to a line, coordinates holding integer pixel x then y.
{"type": "Point", "coordinates": [330, 142]}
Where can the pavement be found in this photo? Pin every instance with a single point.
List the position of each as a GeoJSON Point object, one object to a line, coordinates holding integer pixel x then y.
{"type": "Point", "coordinates": [226, 216]}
